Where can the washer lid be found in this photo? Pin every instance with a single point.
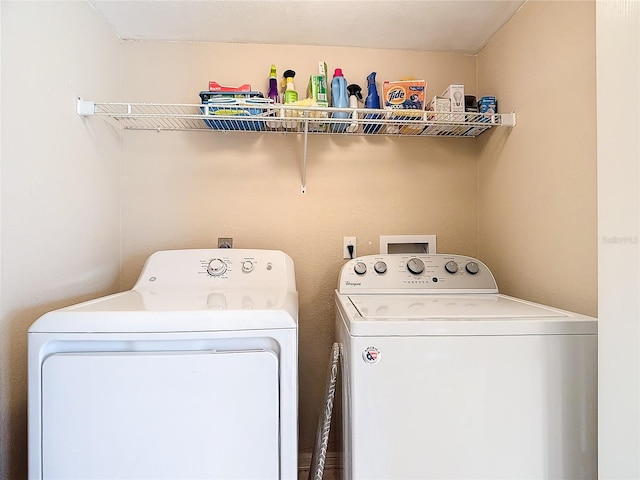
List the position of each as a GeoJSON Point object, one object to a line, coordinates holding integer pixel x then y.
{"type": "Point", "coordinates": [171, 310]}
{"type": "Point", "coordinates": [472, 314]}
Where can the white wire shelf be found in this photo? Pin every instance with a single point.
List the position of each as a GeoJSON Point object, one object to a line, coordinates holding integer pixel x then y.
{"type": "Point", "coordinates": [258, 116]}
{"type": "Point", "coordinates": [294, 119]}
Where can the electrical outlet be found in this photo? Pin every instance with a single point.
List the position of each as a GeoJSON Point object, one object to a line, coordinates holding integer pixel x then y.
{"type": "Point", "coordinates": [225, 242]}
{"type": "Point", "coordinates": [346, 241]}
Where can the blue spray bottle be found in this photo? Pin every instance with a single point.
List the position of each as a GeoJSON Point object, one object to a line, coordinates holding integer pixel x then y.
{"type": "Point", "coordinates": [372, 101]}
{"type": "Point", "coordinates": [339, 99]}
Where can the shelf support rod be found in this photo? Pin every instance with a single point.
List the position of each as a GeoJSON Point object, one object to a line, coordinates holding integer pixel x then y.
{"type": "Point", "coordinates": [303, 167]}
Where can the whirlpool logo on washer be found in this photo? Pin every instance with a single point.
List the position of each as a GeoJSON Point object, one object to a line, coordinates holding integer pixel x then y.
{"type": "Point", "coordinates": [371, 355]}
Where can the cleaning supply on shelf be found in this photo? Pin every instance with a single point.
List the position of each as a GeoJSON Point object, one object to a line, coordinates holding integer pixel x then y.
{"type": "Point", "coordinates": [355, 94]}
{"type": "Point", "coordinates": [372, 101]}
{"type": "Point", "coordinates": [226, 113]}
{"type": "Point", "coordinates": [273, 85]}
{"type": "Point", "coordinates": [406, 99]}
{"type": "Point", "coordinates": [318, 91]}
{"type": "Point", "coordinates": [208, 95]}
{"type": "Point", "coordinates": [216, 87]}
{"type": "Point", "coordinates": [317, 88]}
{"type": "Point", "coordinates": [404, 94]}
{"type": "Point", "coordinates": [339, 99]}
{"type": "Point", "coordinates": [290, 95]}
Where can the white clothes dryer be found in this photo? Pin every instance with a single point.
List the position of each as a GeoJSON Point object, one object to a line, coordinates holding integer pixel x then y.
{"type": "Point", "coordinates": [445, 378]}
{"type": "Point", "coordinates": [192, 374]}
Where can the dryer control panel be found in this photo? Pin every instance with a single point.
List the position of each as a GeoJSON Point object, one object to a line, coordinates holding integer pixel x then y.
{"type": "Point", "coordinates": [412, 273]}
{"type": "Point", "coordinates": [226, 268]}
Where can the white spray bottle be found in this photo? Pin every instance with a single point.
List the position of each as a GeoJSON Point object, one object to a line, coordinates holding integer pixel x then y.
{"type": "Point", "coordinates": [355, 94]}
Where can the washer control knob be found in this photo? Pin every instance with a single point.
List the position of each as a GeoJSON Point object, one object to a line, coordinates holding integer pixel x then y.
{"type": "Point", "coordinates": [216, 267]}
{"type": "Point", "coordinates": [360, 268]}
{"type": "Point", "coordinates": [451, 266]}
{"type": "Point", "coordinates": [380, 267]}
{"type": "Point", "coordinates": [415, 266]}
{"type": "Point", "coordinates": [472, 268]}
{"type": "Point", "coordinates": [247, 266]}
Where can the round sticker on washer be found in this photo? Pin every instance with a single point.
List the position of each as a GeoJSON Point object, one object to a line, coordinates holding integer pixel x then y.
{"type": "Point", "coordinates": [371, 355]}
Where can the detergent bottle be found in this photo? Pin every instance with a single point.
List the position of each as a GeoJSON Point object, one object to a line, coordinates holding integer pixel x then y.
{"type": "Point", "coordinates": [273, 86]}
{"type": "Point", "coordinates": [372, 101]}
{"type": "Point", "coordinates": [290, 94]}
{"type": "Point", "coordinates": [355, 95]}
{"type": "Point", "coordinates": [339, 99]}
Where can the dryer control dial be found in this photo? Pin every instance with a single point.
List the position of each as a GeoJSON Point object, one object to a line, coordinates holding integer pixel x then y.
{"type": "Point", "coordinates": [216, 267]}
{"type": "Point", "coordinates": [415, 266]}
{"type": "Point", "coordinates": [360, 268]}
{"type": "Point", "coordinates": [247, 266]}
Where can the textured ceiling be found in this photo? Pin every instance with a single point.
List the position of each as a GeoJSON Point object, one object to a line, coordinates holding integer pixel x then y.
{"type": "Point", "coordinates": [461, 26]}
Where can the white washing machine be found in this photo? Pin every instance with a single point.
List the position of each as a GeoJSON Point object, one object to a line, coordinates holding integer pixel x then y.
{"type": "Point", "coordinates": [445, 378]}
{"type": "Point", "coordinates": [192, 374]}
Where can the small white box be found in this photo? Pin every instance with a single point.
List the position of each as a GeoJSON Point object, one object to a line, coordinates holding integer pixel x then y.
{"type": "Point", "coordinates": [439, 104]}
{"type": "Point", "coordinates": [455, 93]}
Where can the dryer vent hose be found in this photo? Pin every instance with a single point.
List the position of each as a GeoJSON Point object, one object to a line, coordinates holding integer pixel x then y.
{"type": "Point", "coordinates": [319, 456]}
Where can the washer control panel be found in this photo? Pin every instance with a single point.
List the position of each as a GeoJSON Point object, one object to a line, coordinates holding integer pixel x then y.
{"type": "Point", "coordinates": [415, 273]}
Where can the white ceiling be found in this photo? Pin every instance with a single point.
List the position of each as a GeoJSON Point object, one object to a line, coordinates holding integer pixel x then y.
{"type": "Point", "coordinates": [461, 26]}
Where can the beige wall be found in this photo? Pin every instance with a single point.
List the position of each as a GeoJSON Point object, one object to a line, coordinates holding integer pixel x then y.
{"type": "Point", "coordinates": [60, 185]}
{"type": "Point", "coordinates": [184, 190]}
{"type": "Point", "coordinates": [537, 182]}
{"type": "Point", "coordinates": [517, 198]}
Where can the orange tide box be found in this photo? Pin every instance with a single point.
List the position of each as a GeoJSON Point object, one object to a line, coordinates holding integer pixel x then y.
{"type": "Point", "coordinates": [404, 94]}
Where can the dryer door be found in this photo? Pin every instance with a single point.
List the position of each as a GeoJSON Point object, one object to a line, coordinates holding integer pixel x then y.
{"type": "Point", "coordinates": [160, 415]}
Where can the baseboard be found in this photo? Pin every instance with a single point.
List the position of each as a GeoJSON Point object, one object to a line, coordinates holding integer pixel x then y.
{"type": "Point", "coordinates": [333, 460]}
